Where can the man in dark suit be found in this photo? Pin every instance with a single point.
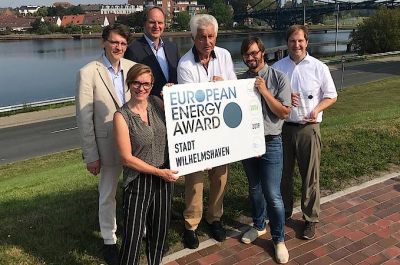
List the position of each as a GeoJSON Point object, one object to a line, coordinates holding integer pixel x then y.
{"type": "Point", "coordinates": [160, 55]}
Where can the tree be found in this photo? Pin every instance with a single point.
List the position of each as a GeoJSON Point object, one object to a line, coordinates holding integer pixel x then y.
{"type": "Point", "coordinates": [42, 12]}
{"type": "Point", "coordinates": [134, 21]}
{"type": "Point", "coordinates": [206, 3]}
{"type": "Point", "coordinates": [378, 33]}
{"type": "Point", "coordinates": [182, 20]}
{"type": "Point", "coordinates": [223, 13]}
{"type": "Point", "coordinates": [55, 11]}
{"type": "Point", "coordinates": [74, 10]}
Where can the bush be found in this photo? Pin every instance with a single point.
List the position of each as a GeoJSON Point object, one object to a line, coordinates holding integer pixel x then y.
{"type": "Point", "coordinates": [378, 33]}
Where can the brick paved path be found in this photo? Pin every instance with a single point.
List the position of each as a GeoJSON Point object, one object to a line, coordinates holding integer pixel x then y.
{"type": "Point", "coordinates": [362, 227]}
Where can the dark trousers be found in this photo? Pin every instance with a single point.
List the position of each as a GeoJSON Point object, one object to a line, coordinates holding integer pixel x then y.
{"type": "Point", "coordinates": [147, 203]}
{"type": "Point", "coordinates": [302, 143]}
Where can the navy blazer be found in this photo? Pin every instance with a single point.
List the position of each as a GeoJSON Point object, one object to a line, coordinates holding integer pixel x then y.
{"type": "Point", "coordinates": [139, 51]}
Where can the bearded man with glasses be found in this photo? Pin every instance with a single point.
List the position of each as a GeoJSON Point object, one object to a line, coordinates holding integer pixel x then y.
{"type": "Point", "coordinates": [100, 91]}
{"type": "Point", "coordinates": [264, 173]}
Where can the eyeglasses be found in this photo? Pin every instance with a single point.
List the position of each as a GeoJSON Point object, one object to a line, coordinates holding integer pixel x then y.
{"type": "Point", "coordinates": [252, 54]}
{"type": "Point", "coordinates": [117, 43]}
{"type": "Point", "coordinates": [138, 85]}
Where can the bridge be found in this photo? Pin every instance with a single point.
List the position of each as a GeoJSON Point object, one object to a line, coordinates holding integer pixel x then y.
{"type": "Point", "coordinates": [281, 18]}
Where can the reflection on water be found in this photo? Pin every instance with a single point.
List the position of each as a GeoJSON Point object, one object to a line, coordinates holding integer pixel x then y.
{"type": "Point", "coordinates": [35, 70]}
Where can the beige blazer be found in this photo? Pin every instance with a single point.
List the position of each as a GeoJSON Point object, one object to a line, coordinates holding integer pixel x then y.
{"type": "Point", "coordinates": [96, 102]}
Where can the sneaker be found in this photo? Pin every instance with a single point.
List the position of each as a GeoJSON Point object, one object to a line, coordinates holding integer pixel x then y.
{"type": "Point", "coordinates": [190, 239]}
{"type": "Point", "coordinates": [252, 235]}
{"type": "Point", "coordinates": [217, 231]}
{"type": "Point", "coordinates": [309, 230]}
{"type": "Point", "coordinates": [110, 254]}
{"type": "Point", "coordinates": [281, 253]}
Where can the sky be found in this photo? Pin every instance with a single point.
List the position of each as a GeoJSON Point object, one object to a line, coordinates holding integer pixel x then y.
{"type": "Point", "coordinates": [17, 3]}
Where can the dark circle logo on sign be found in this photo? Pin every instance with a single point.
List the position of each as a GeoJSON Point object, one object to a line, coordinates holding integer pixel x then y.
{"type": "Point", "coordinates": [232, 115]}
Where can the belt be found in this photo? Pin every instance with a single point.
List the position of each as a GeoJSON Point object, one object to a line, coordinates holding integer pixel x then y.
{"type": "Point", "coordinates": [298, 124]}
{"type": "Point", "coordinates": [270, 137]}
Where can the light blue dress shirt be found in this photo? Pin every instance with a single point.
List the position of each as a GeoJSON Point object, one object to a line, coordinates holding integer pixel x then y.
{"type": "Point", "coordinates": [116, 78]}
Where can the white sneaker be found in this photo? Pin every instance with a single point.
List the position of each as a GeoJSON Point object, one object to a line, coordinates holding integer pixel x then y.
{"type": "Point", "coordinates": [252, 234]}
{"type": "Point", "coordinates": [281, 253]}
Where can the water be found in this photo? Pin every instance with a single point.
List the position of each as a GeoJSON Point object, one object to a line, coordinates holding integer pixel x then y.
{"type": "Point", "coordinates": [35, 70]}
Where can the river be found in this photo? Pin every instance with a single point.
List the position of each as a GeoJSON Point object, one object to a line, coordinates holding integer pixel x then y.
{"type": "Point", "coordinates": [36, 70]}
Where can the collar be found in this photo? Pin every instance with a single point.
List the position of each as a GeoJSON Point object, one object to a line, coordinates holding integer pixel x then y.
{"type": "Point", "coordinates": [305, 59]}
{"type": "Point", "coordinates": [108, 64]}
{"type": "Point", "coordinates": [196, 54]}
{"type": "Point", "coordinates": [151, 43]}
{"type": "Point", "coordinates": [261, 73]}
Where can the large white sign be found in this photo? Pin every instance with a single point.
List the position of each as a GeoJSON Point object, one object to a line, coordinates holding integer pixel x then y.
{"type": "Point", "coordinates": [211, 124]}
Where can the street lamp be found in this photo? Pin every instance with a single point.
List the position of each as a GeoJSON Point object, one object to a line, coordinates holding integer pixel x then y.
{"type": "Point", "coordinates": [337, 26]}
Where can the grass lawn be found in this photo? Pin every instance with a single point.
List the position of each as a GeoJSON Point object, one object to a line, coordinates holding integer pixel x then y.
{"type": "Point", "coordinates": [48, 205]}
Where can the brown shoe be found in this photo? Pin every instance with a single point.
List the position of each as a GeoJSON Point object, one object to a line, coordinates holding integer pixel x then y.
{"type": "Point", "coordinates": [309, 230]}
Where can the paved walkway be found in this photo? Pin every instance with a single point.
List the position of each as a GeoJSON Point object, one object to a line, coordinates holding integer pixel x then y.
{"type": "Point", "coordinates": [360, 225]}
{"type": "Point", "coordinates": [36, 116]}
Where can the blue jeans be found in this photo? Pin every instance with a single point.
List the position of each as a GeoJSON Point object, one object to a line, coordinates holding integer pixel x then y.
{"type": "Point", "coordinates": [264, 175]}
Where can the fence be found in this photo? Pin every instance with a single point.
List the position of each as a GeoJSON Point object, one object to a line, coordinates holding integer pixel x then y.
{"type": "Point", "coordinates": [37, 104]}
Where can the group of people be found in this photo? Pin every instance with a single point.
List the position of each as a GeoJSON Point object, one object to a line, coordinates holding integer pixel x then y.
{"type": "Point", "coordinates": [120, 115]}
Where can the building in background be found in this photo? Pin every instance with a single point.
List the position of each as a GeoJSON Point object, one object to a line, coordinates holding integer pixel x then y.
{"type": "Point", "coordinates": [121, 9]}
{"type": "Point", "coordinates": [72, 19]}
{"type": "Point", "coordinates": [25, 10]}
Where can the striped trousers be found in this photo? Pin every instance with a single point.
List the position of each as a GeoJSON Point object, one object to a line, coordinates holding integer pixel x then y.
{"type": "Point", "coordinates": [147, 203]}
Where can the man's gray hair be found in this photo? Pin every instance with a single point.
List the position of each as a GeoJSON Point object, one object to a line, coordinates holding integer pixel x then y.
{"type": "Point", "coordinates": [201, 21]}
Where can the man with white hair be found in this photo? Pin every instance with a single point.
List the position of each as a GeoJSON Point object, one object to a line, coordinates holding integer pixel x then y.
{"type": "Point", "coordinates": [204, 63]}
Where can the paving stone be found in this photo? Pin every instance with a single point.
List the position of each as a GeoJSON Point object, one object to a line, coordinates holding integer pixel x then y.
{"type": "Point", "coordinates": [370, 239]}
{"type": "Point", "coordinates": [210, 250]}
{"type": "Point", "coordinates": [189, 258]}
{"type": "Point", "coordinates": [376, 259]}
{"type": "Point", "coordinates": [356, 246]}
{"type": "Point", "coordinates": [392, 252]}
{"type": "Point", "coordinates": [322, 260]}
{"type": "Point", "coordinates": [356, 258]}
{"type": "Point", "coordinates": [373, 249]}
{"type": "Point", "coordinates": [323, 250]}
{"type": "Point", "coordinates": [304, 259]}
{"type": "Point", "coordinates": [212, 258]}
{"type": "Point", "coordinates": [339, 254]}
{"type": "Point", "coordinates": [227, 261]}
{"type": "Point", "coordinates": [356, 236]}
{"type": "Point", "coordinates": [340, 243]}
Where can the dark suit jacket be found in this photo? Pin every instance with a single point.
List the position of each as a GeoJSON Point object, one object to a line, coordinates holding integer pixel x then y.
{"type": "Point", "coordinates": [139, 51]}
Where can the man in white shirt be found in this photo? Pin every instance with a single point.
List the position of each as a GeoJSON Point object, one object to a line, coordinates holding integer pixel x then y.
{"type": "Point", "coordinates": [313, 91]}
{"type": "Point", "coordinates": [204, 63]}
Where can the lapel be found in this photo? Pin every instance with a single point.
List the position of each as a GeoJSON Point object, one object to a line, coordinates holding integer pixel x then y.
{"type": "Point", "coordinates": [147, 49]}
{"type": "Point", "coordinates": [125, 68]}
{"type": "Point", "coordinates": [105, 77]}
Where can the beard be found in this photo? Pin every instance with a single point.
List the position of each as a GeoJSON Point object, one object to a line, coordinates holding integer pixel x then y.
{"type": "Point", "coordinates": [253, 64]}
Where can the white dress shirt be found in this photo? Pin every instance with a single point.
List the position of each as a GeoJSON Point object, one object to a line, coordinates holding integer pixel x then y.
{"type": "Point", "coordinates": [312, 80]}
{"type": "Point", "coordinates": [190, 70]}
